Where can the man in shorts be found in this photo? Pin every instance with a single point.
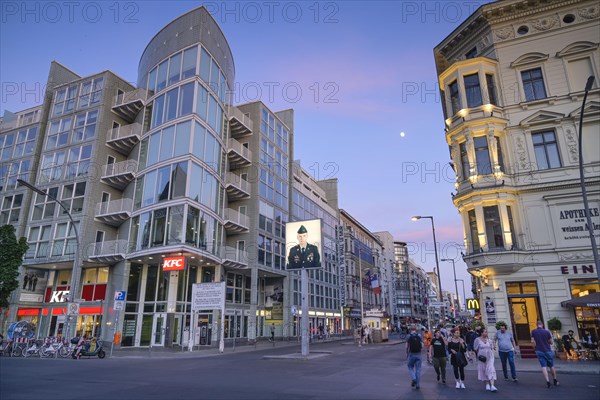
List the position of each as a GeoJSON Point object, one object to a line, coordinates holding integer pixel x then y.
{"type": "Point", "coordinates": [542, 339]}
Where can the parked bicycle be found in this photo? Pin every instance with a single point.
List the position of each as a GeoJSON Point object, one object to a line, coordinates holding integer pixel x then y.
{"type": "Point", "coordinates": [54, 347]}
{"type": "Point", "coordinates": [32, 348]}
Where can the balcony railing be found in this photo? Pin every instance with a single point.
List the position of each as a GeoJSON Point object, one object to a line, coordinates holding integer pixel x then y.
{"type": "Point", "coordinates": [109, 252]}
{"type": "Point", "coordinates": [124, 138]}
{"type": "Point", "coordinates": [240, 123]}
{"type": "Point", "coordinates": [236, 222]}
{"type": "Point", "coordinates": [239, 155]}
{"type": "Point", "coordinates": [114, 212]}
{"type": "Point", "coordinates": [237, 187]}
{"type": "Point", "coordinates": [234, 258]}
{"type": "Point", "coordinates": [120, 174]}
{"type": "Point", "coordinates": [128, 105]}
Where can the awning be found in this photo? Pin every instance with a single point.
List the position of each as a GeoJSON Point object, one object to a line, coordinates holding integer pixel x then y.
{"type": "Point", "coordinates": [591, 300]}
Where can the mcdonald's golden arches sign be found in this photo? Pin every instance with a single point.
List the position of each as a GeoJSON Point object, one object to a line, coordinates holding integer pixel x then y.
{"type": "Point", "coordinates": [472, 304]}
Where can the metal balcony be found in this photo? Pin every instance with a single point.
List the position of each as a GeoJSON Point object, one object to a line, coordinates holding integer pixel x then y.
{"type": "Point", "coordinates": [114, 212]}
{"type": "Point", "coordinates": [119, 175]}
{"type": "Point", "coordinates": [128, 105]}
{"type": "Point", "coordinates": [237, 187]}
{"type": "Point", "coordinates": [236, 222]}
{"type": "Point", "coordinates": [234, 258]}
{"type": "Point", "coordinates": [239, 156]}
{"type": "Point", "coordinates": [124, 138]}
{"type": "Point", "coordinates": [110, 252]}
{"type": "Point", "coordinates": [239, 124]}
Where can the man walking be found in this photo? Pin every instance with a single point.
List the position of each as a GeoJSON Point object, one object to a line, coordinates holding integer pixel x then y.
{"type": "Point", "coordinates": [272, 339]}
{"type": "Point", "coordinates": [506, 350]}
{"type": "Point", "coordinates": [414, 344]}
{"type": "Point", "coordinates": [541, 339]}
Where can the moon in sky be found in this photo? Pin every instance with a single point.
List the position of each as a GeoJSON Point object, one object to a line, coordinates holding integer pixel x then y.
{"type": "Point", "coordinates": [402, 134]}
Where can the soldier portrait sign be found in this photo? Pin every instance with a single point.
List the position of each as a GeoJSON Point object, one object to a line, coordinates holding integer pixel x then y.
{"type": "Point", "coordinates": [303, 244]}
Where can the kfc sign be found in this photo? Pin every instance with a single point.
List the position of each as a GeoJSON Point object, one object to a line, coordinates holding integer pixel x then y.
{"type": "Point", "coordinates": [174, 263]}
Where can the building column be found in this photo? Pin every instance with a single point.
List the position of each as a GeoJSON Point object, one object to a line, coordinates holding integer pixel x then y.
{"type": "Point", "coordinates": [455, 154]}
{"type": "Point", "coordinates": [253, 304]}
{"type": "Point", "coordinates": [470, 145]}
{"type": "Point", "coordinates": [464, 215]}
{"type": "Point", "coordinates": [483, 243]}
{"type": "Point", "coordinates": [493, 150]}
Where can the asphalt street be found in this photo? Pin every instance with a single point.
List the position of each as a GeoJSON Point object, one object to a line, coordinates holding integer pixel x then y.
{"type": "Point", "coordinates": [347, 372]}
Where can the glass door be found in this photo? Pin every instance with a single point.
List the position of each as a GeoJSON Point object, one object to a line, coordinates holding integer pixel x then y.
{"type": "Point", "coordinates": [158, 329]}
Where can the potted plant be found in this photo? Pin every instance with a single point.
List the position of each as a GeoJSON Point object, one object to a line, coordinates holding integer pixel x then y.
{"type": "Point", "coordinates": [500, 324]}
{"type": "Point", "coordinates": [555, 326]}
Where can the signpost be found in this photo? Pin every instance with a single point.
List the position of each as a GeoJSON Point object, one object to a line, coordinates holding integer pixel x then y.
{"type": "Point", "coordinates": [208, 296]}
{"type": "Point", "coordinates": [120, 296]}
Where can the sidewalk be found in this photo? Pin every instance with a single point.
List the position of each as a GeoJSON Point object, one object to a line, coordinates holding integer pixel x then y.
{"type": "Point", "coordinates": [587, 367]}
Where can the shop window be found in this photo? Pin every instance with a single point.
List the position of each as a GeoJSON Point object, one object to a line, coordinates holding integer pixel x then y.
{"type": "Point", "coordinates": [133, 285]}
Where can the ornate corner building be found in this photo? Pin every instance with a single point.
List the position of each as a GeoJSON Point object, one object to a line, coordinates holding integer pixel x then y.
{"type": "Point", "coordinates": [512, 79]}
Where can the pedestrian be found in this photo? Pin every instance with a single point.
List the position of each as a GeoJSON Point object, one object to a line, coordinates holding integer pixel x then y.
{"type": "Point", "coordinates": [362, 334]}
{"type": "Point", "coordinates": [414, 344]}
{"type": "Point", "coordinates": [506, 350]}
{"type": "Point", "coordinates": [542, 339]}
{"type": "Point", "coordinates": [486, 371]}
{"type": "Point", "coordinates": [437, 353]}
{"type": "Point", "coordinates": [272, 339]}
{"type": "Point", "coordinates": [471, 336]}
{"type": "Point", "coordinates": [427, 337]}
{"type": "Point", "coordinates": [367, 334]}
{"type": "Point", "coordinates": [457, 348]}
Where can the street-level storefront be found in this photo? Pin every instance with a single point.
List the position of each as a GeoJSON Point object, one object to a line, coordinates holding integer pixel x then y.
{"type": "Point", "coordinates": [44, 294]}
{"type": "Point", "coordinates": [158, 301]}
{"type": "Point", "coordinates": [540, 293]}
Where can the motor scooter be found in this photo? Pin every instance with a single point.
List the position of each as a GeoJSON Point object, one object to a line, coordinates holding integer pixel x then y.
{"type": "Point", "coordinates": [88, 348]}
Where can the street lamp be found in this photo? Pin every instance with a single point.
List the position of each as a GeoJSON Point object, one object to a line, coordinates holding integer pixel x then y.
{"type": "Point", "coordinates": [76, 266]}
{"type": "Point", "coordinates": [464, 296]}
{"type": "Point", "coordinates": [437, 264]}
{"type": "Point", "coordinates": [455, 284]}
{"type": "Point", "coordinates": [590, 226]}
{"type": "Point", "coordinates": [362, 313]}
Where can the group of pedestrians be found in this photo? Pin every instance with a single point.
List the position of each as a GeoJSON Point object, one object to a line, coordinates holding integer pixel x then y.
{"type": "Point", "coordinates": [457, 344]}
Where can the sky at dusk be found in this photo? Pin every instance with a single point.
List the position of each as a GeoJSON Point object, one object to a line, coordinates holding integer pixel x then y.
{"type": "Point", "coordinates": [357, 74]}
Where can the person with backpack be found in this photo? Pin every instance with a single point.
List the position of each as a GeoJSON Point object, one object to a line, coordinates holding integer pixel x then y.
{"type": "Point", "coordinates": [437, 353]}
{"type": "Point", "coordinates": [414, 344]}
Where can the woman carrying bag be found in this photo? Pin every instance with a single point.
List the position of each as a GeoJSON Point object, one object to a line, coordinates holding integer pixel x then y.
{"type": "Point", "coordinates": [485, 360]}
{"type": "Point", "coordinates": [457, 348]}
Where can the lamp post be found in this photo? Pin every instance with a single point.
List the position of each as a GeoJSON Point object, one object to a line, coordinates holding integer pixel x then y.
{"type": "Point", "coordinates": [590, 226]}
{"type": "Point", "coordinates": [455, 284]}
{"type": "Point", "coordinates": [464, 293]}
{"type": "Point", "coordinates": [362, 312]}
{"type": "Point", "coordinates": [437, 264]}
{"type": "Point", "coordinates": [76, 266]}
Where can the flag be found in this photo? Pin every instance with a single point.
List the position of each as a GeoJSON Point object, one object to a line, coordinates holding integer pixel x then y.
{"type": "Point", "coordinates": [375, 284]}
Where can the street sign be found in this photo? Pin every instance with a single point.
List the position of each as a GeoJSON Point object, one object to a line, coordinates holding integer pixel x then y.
{"type": "Point", "coordinates": [120, 295]}
{"type": "Point", "coordinates": [437, 304]}
{"type": "Point", "coordinates": [73, 309]}
{"type": "Point", "coordinates": [119, 304]}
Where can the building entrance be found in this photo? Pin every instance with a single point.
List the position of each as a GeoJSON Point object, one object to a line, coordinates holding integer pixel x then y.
{"type": "Point", "coordinates": [524, 309]}
{"type": "Point", "coordinates": [159, 328]}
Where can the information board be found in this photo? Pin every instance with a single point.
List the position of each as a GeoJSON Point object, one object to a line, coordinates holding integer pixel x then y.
{"type": "Point", "coordinates": [208, 296]}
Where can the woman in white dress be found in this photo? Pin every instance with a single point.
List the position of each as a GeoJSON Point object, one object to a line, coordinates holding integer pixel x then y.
{"type": "Point", "coordinates": [485, 370]}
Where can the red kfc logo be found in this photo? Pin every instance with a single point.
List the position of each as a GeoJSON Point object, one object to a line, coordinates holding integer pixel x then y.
{"type": "Point", "coordinates": [174, 263]}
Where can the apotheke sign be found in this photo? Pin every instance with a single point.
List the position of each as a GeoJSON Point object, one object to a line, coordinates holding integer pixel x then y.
{"type": "Point", "coordinates": [572, 223]}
